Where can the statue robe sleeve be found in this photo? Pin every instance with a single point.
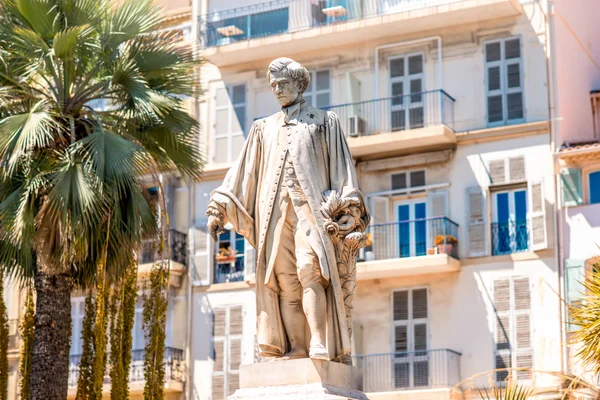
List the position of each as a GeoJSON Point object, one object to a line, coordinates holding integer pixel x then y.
{"type": "Point", "coordinates": [238, 195]}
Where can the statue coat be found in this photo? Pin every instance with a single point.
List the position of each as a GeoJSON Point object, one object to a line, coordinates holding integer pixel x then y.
{"type": "Point", "coordinates": [323, 162]}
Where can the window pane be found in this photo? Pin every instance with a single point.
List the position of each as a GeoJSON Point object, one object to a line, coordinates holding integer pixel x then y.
{"type": "Point", "coordinates": [222, 97]}
{"type": "Point", "coordinates": [492, 52]}
{"type": "Point", "coordinates": [400, 305]}
{"type": "Point", "coordinates": [417, 178]}
{"type": "Point", "coordinates": [222, 122]}
{"type": "Point", "coordinates": [239, 94]}
{"type": "Point", "coordinates": [397, 93]}
{"type": "Point", "coordinates": [221, 151]}
{"type": "Point", "coordinates": [514, 105]}
{"type": "Point", "coordinates": [415, 65]}
{"type": "Point", "coordinates": [399, 181]}
{"type": "Point", "coordinates": [495, 109]}
{"type": "Point", "coordinates": [595, 187]}
{"type": "Point", "coordinates": [512, 49]}
{"type": "Point", "coordinates": [322, 82]}
{"type": "Point", "coordinates": [323, 100]}
{"type": "Point", "coordinates": [494, 78]}
{"type": "Point", "coordinates": [237, 143]}
{"type": "Point", "coordinates": [521, 205]}
{"type": "Point", "coordinates": [502, 207]}
{"type": "Point", "coordinates": [397, 67]}
{"type": "Point", "coordinates": [239, 121]}
{"type": "Point", "coordinates": [513, 73]}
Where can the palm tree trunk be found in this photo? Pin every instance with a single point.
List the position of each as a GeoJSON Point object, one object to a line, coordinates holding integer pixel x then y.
{"type": "Point", "coordinates": [51, 344]}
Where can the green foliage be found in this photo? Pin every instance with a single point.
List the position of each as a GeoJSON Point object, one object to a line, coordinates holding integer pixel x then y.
{"type": "Point", "coordinates": [512, 391]}
{"type": "Point", "coordinates": [26, 330]}
{"type": "Point", "coordinates": [3, 344]}
{"type": "Point", "coordinates": [128, 312]}
{"type": "Point", "coordinates": [100, 333]}
{"type": "Point", "coordinates": [586, 315]}
{"type": "Point", "coordinates": [155, 318]}
{"type": "Point", "coordinates": [85, 387]}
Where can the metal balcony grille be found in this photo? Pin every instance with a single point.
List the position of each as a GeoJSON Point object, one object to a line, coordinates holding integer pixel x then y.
{"type": "Point", "coordinates": [510, 237]}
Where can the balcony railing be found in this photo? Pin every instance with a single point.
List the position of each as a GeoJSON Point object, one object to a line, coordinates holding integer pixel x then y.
{"type": "Point", "coordinates": [510, 237]}
{"type": "Point", "coordinates": [398, 113]}
{"type": "Point", "coordinates": [413, 238]}
{"type": "Point", "coordinates": [174, 367]}
{"type": "Point", "coordinates": [231, 270]}
{"type": "Point", "coordinates": [178, 244]}
{"type": "Point", "coordinates": [221, 28]}
{"type": "Point", "coordinates": [409, 370]}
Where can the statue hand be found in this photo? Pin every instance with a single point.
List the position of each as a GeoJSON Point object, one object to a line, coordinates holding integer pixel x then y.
{"type": "Point", "coordinates": [215, 227]}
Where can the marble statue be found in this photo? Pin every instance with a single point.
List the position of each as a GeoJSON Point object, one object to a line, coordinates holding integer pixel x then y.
{"type": "Point", "coordinates": [294, 195]}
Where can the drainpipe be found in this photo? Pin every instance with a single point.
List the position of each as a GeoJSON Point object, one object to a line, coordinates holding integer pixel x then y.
{"type": "Point", "coordinates": [558, 220]}
{"type": "Point", "coordinates": [189, 384]}
{"type": "Point", "coordinates": [406, 43]}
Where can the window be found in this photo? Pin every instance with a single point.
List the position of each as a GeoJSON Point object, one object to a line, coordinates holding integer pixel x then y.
{"type": "Point", "coordinates": [406, 87]}
{"type": "Point", "coordinates": [406, 180]}
{"type": "Point", "coordinates": [504, 82]}
{"type": "Point", "coordinates": [77, 314]}
{"type": "Point", "coordinates": [411, 331]}
{"type": "Point", "coordinates": [594, 182]}
{"type": "Point", "coordinates": [230, 257]}
{"type": "Point", "coordinates": [230, 120]}
{"type": "Point", "coordinates": [512, 333]}
{"type": "Point", "coordinates": [509, 230]}
{"type": "Point", "coordinates": [412, 228]}
{"type": "Point", "coordinates": [318, 92]}
{"type": "Point", "coordinates": [227, 347]}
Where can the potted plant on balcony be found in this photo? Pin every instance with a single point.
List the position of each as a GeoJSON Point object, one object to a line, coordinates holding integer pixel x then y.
{"type": "Point", "coordinates": [226, 255]}
{"type": "Point", "coordinates": [445, 243]}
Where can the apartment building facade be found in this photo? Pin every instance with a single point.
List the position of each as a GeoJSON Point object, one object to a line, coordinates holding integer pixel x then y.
{"type": "Point", "coordinates": [445, 108]}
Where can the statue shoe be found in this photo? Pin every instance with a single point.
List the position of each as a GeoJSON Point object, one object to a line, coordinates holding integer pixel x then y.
{"type": "Point", "coordinates": [319, 352]}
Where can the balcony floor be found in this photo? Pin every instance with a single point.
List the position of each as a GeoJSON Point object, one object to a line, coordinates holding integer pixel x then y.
{"type": "Point", "coordinates": [360, 30]}
{"type": "Point", "coordinates": [407, 266]}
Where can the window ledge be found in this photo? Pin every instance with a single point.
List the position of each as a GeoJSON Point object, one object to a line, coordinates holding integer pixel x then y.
{"type": "Point", "coordinates": [521, 256]}
{"type": "Point", "coordinates": [503, 132]}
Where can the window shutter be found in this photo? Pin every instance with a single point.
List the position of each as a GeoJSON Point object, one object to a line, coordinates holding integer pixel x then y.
{"type": "Point", "coordinates": [202, 261]}
{"type": "Point", "coordinates": [419, 303]}
{"type": "Point", "coordinates": [401, 338]}
{"type": "Point", "coordinates": [420, 337]}
{"type": "Point", "coordinates": [235, 354]}
{"type": "Point", "coordinates": [502, 336]}
{"type": "Point", "coordinates": [537, 214]}
{"type": "Point", "coordinates": [504, 81]}
{"type": "Point", "coordinates": [502, 295]}
{"type": "Point", "coordinates": [502, 361]}
{"type": "Point", "coordinates": [495, 103]}
{"type": "Point", "coordinates": [516, 166]}
{"type": "Point", "coordinates": [571, 187]}
{"type": "Point", "coordinates": [400, 300]}
{"type": "Point", "coordinates": [522, 306]}
{"type": "Point", "coordinates": [438, 203]}
{"type": "Point", "coordinates": [497, 169]}
{"type": "Point", "coordinates": [235, 320]}
{"type": "Point", "coordinates": [218, 387]}
{"type": "Point", "coordinates": [219, 356]}
{"type": "Point", "coordinates": [382, 246]}
{"type": "Point", "coordinates": [399, 181]}
{"type": "Point", "coordinates": [574, 285]}
{"type": "Point", "coordinates": [219, 321]}
{"type": "Point", "coordinates": [477, 230]}
{"type": "Point", "coordinates": [249, 257]}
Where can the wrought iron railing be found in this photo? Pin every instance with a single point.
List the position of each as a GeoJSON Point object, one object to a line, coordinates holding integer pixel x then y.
{"type": "Point", "coordinates": [510, 237]}
{"type": "Point", "coordinates": [398, 113]}
{"type": "Point", "coordinates": [178, 247]}
{"type": "Point", "coordinates": [413, 238]}
{"type": "Point", "coordinates": [224, 27]}
{"type": "Point", "coordinates": [409, 370]}
{"type": "Point", "coordinates": [174, 367]}
{"type": "Point", "coordinates": [232, 270]}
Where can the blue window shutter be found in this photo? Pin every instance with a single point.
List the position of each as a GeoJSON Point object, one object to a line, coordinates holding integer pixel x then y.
{"type": "Point", "coordinates": [594, 185]}
{"type": "Point", "coordinates": [571, 187]}
{"type": "Point", "coordinates": [574, 287]}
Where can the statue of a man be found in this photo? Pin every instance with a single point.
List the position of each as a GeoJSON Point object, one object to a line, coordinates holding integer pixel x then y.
{"type": "Point", "coordinates": [294, 195]}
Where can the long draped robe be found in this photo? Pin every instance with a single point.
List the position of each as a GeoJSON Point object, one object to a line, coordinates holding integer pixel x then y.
{"type": "Point", "coordinates": [322, 162]}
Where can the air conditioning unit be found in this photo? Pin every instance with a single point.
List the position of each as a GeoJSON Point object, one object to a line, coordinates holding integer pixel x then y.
{"type": "Point", "coordinates": [356, 126]}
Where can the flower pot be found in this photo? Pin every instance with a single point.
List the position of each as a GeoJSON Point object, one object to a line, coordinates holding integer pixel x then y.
{"type": "Point", "coordinates": [445, 248]}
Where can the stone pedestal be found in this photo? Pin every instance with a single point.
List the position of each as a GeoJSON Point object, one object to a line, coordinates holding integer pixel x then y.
{"type": "Point", "coordinates": [299, 379]}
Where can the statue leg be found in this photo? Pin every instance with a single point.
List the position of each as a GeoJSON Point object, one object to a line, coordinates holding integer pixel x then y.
{"type": "Point", "coordinates": [290, 295]}
{"type": "Point", "coordinates": [314, 300]}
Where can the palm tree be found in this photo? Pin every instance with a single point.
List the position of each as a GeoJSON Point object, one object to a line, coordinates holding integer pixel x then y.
{"type": "Point", "coordinates": [512, 391]}
{"type": "Point", "coordinates": [91, 101]}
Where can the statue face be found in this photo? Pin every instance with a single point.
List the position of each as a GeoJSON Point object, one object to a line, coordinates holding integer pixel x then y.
{"type": "Point", "coordinates": [284, 88]}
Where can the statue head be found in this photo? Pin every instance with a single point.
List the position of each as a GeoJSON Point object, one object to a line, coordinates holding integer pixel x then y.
{"type": "Point", "coordinates": [288, 80]}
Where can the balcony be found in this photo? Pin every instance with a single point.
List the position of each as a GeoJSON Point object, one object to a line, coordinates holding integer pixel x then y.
{"type": "Point", "coordinates": [414, 370]}
{"type": "Point", "coordinates": [510, 237]}
{"type": "Point", "coordinates": [267, 30]}
{"type": "Point", "coordinates": [399, 124]}
{"type": "Point", "coordinates": [177, 256]}
{"type": "Point", "coordinates": [174, 372]}
{"type": "Point", "coordinates": [404, 248]}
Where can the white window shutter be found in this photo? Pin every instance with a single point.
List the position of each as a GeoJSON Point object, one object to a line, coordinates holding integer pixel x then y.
{"type": "Point", "coordinates": [537, 215]}
{"type": "Point", "coordinates": [250, 259]}
{"type": "Point", "coordinates": [516, 167]}
{"type": "Point", "coordinates": [497, 170]}
{"type": "Point", "coordinates": [400, 305]}
{"type": "Point", "coordinates": [202, 256]}
{"type": "Point", "coordinates": [522, 321]}
{"type": "Point", "coordinates": [477, 230]}
{"type": "Point", "coordinates": [571, 187]}
{"type": "Point", "coordinates": [438, 207]}
{"type": "Point", "coordinates": [382, 245]}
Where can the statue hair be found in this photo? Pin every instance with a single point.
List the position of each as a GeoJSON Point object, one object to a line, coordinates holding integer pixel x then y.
{"type": "Point", "coordinates": [295, 70]}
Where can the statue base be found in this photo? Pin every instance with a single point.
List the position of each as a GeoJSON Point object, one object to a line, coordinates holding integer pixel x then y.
{"type": "Point", "coordinates": [299, 379]}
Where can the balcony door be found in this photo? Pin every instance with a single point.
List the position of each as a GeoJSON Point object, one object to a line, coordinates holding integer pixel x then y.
{"type": "Point", "coordinates": [410, 362]}
{"type": "Point", "coordinates": [230, 257]}
{"type": "Point", "coordinates": [509, 230]}
{"type": "Point", "coordinates": [412, 228]}
{"type": "Point", "coordinates": [406, 87]}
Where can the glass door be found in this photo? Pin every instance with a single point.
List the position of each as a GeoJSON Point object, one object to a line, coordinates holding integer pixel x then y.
{"type": "Point", "coordinates": [510, 233]}
{"type": "Point", "coordinates": [412, 228]}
